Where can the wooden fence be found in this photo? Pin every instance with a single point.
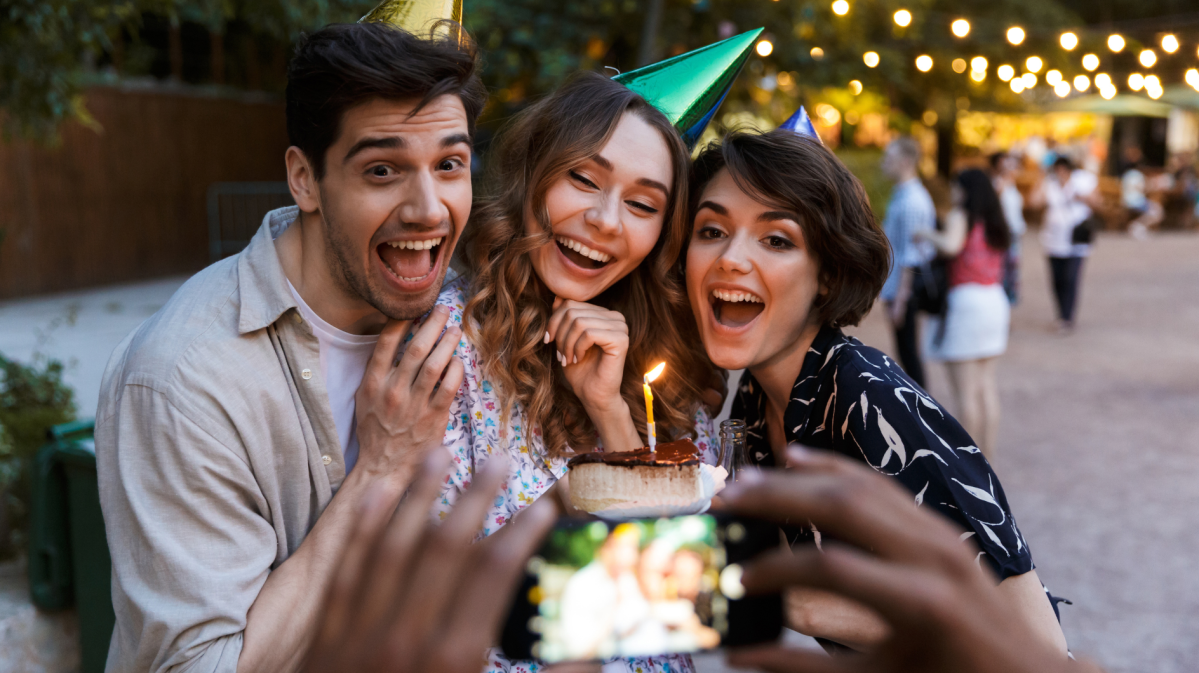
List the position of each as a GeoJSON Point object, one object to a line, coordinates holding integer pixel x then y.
{"type": "Point", "coordinates": [128, 202]}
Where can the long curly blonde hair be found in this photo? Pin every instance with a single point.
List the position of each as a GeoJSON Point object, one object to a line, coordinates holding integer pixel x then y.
{"type": "Point", "coordinates": [510, 307]}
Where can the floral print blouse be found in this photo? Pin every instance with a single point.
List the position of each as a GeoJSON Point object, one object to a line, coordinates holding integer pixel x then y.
{"type": "Point", "coordinates": [473, 435]}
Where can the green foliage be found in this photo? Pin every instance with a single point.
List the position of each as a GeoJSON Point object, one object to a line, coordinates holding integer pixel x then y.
{"type": "Point", "coordinates": [867, 165]}
{"type": "Point", "coordinates": [33, 398]}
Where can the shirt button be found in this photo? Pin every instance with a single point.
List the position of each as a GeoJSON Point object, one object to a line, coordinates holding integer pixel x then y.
{"type": "Point", "coordinates": [326, 459]}
{"type": "Point", "coordinates": [306, 374]}
{"type": "Point", "coordinates": [298, 318]}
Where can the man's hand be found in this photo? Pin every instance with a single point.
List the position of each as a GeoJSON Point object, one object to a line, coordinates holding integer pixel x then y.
{"type": "Point", "coordinates": [944, 613]}
{"type": "Point", "coordinates": [413, 596]}
{"type": "Point", "coordinates": [402, 408]}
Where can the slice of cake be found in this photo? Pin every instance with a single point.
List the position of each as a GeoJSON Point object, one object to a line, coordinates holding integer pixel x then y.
{"type": "Point", "coordinates": [669, 474]}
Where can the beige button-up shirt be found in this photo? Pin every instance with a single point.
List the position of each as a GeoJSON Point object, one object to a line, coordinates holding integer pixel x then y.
{"type": "Point", "coordinates": [217, 451]}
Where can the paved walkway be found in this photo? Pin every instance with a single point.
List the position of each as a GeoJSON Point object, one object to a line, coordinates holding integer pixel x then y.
{"type": "Point", "coordinates": [1099, 448]}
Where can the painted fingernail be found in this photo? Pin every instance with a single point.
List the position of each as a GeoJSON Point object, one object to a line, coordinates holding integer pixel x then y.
{"type": "Point", "coordinates": [548, 338]}
{"type": "Point", "coordinates": [561, 360]}
{"type": "Point", "coordinates": [576, 360]}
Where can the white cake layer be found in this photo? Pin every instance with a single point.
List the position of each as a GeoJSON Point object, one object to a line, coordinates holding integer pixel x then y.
{"type": "Point", "coordinates": [596, 486]}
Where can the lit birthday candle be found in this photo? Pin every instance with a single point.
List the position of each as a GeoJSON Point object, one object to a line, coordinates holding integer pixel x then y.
{"type": "Point", "coordinates": [649, 403]}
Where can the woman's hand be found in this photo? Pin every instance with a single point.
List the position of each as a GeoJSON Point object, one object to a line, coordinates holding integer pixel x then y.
{"type": "Point", "coordinates": [591, 344]}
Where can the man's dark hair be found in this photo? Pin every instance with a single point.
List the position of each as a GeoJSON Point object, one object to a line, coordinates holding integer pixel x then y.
{"type": "Point", "coordinates": [345, 65]}
{"type": "Point", "coordinates": [996, 158]}
{"type": "Point", "coordinates": [798, 174]}
{"type": "Point", "coordinates": [1063, 162]}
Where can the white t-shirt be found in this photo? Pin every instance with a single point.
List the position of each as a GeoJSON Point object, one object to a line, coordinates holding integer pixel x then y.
{"type": "Point", "coordinates": [1064, 210]}
{"type": "Point", "coordinates": [344, 357]}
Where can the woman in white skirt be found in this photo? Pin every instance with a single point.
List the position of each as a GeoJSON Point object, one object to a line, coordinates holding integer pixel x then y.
{"type": "Point", "coordinates": [974, 330]}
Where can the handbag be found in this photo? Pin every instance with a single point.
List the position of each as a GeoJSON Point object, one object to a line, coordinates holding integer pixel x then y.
{"type": "Point", "coordinates": [1084, 232]}
{"type": "Point", "coordinates": [930, 287]}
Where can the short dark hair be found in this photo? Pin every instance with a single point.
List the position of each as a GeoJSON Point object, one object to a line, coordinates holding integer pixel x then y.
{"type": "Point", "coordinates": [798, 174]}
{"type": "Point", "coordinates": [345, 65]}
{"type": "Point", "coordinates": [1063, 162]}
{"type": "Point", "coordinates": [996, 158]}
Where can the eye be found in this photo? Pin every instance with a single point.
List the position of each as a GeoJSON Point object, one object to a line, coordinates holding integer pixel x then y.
{"type": "Point", "coordinates": [645, 208]}
{"type": "Point", "coordinates": [578, 177]}
{"type": "Point", "coordinates": [709, 233]}
{"type": "Point", "coordinates": [381, 171]}
{"type": "Point", "coordinates": [449, 164]}
{"type": "Point", "coordinates": [778, 243]}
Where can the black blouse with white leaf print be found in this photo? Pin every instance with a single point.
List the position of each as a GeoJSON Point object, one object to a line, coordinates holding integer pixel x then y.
{"type": "Point", "coordinates": [855, 400]}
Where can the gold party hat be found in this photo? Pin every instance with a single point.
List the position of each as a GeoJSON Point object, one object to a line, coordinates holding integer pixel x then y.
{"type": "Point", "coordinates": [415, 16]}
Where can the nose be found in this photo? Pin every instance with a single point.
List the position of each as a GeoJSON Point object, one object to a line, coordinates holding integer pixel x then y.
{"type": "Point", "coordinates": [734, 258]}
{"type": "Point", "coordinates": [604, 214]}
{"type": "Point", "coordinates": [422, 204]}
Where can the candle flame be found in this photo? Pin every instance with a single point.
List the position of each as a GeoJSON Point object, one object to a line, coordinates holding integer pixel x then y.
{"type": "Point", "coordinates": [655, 372]}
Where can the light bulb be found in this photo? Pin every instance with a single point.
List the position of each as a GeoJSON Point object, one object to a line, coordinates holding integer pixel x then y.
{"type": "Point", "coordinates": [1169, 44]}
{"type": "Point", "coordinates": [855, 86]}
{"type": "Point", "coordinates": [765, 47]}
{"type": "Point", "coordinates": [817, 53]}
{"type": "Point", "coordinates": [1034, 64]}
{"type": "Point", "coordinates": [1062, 89]}
{"type": "Point", "coordinates": [1053, 77]}
{"type": "Point", "coordinates": [1069, 41]}
{"type": "Point", "coordinates": [1005, 72]}
{"type": "Point", "coordinates": [1082, 82]}
{"type": "Point", "coordinates": [1030, 80]}
{"type": "Point", "coordinates": [1136, 81]}
{"type": "Point", "coordinates": [960, 27]}
{"type": "Point", "coordinates": [1147, 58]}
{"type": "Point", "coordinates": [1015, 35]}
{"type": "Point", "coordinates": [1090, 62]}
{"type": "Point", "coordinates": [1017, 84]}
{"type": "Point", "coordinates": [1108, 92]}
{"type": "Point", "coordinates": [978, 75]}
{"type": "Point", "coordinates": [1103, 80]}
{"type": "Point", "coordinates": [1115, 42]}
{"type": "Point", "coordinates": [959, 65]}
{"type": "Point", "coordinates": [871, 59]}
{"type": "Point", "coordinates": [978, 63]}
{"type": "Point", "coordinates": [903, 18]}
{"type": "Point", "coordinates": [840, 8]}
{"type": "Point", "coordinates": [924, 63]}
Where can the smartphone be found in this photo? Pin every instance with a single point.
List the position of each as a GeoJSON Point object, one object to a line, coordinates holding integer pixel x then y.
{"type": "Point", "coordinates": [643, 587]}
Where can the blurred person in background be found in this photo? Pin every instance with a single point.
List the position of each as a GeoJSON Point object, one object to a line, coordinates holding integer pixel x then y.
{"type": "Point", "coordinates": [1070, 196]}
{"type": "Point", "coordinates": [1004, 167]}
{"type": "Point", "coordinates": [973, 332]}
{"type": "Point", "coordinates": [910, 211]}
{"type": "Point", "coordinates": [1134, 187]}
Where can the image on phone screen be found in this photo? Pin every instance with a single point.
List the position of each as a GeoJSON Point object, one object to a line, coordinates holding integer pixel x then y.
{"type": "Point", "coordinates": [643, 587]}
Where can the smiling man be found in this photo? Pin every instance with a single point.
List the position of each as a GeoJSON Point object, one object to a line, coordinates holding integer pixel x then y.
{"type": "Point", "coordinates": [242, 426]}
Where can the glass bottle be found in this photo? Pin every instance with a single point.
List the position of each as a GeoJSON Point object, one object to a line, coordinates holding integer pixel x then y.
{"type": "Point", "coordinates": [732, 446]}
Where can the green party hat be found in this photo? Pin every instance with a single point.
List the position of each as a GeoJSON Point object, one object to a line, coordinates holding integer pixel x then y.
{"type": "Point", "coordinates": [415, 16]}
{"type": "Point", "coordinates": [689, 87]}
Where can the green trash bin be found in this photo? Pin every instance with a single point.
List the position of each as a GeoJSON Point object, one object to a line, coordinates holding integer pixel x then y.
{"type": "Point", "coordinates": [68, 551]}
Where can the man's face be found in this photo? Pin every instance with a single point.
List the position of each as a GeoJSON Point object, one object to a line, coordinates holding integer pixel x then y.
{"type": "Point", "coordinates": [394, 199]}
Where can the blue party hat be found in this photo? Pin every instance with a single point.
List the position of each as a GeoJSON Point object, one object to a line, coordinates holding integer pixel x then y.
{"type": "Point", "coordinates": [801, 123]}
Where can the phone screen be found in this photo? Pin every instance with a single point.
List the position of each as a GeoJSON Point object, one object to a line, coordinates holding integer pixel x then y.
{"type": "Point", "coordinates": [643, 587]}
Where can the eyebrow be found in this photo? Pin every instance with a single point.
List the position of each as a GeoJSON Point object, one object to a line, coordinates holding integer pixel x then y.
{"type": "Point", "coordinates": [396, 142]}
{"type": "Point", "coordinates": [714, 207]}
{"type": "Point", "coordinates": [776, 215]}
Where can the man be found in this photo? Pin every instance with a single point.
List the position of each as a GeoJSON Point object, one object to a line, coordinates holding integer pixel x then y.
{"type": "Point", "coordinates": [235, 444]}
{"type": "Point", "coordinates": [910, 210]}
{"type": "Point", "coordinates": [1004, 168]}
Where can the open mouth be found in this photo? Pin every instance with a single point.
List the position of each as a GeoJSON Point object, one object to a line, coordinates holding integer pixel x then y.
{"type": "Point", "coordinates": [582, 256]}
{"type": "Point", "coordinates": [411, 261]}
{"type": "Point", "coordinates": [735, 309]}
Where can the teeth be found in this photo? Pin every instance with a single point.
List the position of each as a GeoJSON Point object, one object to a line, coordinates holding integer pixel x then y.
{"type": "Point", "coordinates": [725, 295]}
{"type": "Point", "coordinates": [417, 245]}
{"type": "Point", "coordinates": [584, 250]}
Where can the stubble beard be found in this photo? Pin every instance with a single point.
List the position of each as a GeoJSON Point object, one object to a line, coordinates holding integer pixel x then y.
{"type": "Point", "coordinates": [356, 282]}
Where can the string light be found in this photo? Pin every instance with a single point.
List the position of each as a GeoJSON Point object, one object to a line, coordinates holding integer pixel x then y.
{"type": "Point", "coordinates": [1136, 81]}
{"type": "Point", "coordinates": [959, 65]}
{"type": "Point", "coordinates": [1030, 80]}
{"type": "Point", "coordinates": [1062, 89]}
{"type": "Point", "coordinates": [1169, 44]}
{"type": "Point", "coordinates": [960, 27]}
{"type": "Point", "coordinates": [1115, 42]}
{"type": "Point", "coordinates": [765, 47]}
{"type": "Point", "coordinates": [1015, 35]}
{"type": "Point", "coordinates": [817, 53]}
{"type": "Point", "coordinates": [1034, 64]}
{"type": "Point", "coordinates": [903, 18]}
{"type": "Point", "coordinates": [1090, 62]}
{"type": "Point", "coordinates": [1147, 58]}
{"type": "Point", "coordinates": [855, 86]}
{"type": "Point", "coordinates": [840, 8]}
{"type": "Point", "coordinates": [1108, 92]}
{"type": "Point", "coordinates": [1103, 80]}
{"type": "Point", "coordinates": [1192, 77]}
{"type": "Point", "coordinates": [978, 75]}
{"type": "Point", "coordinates": [929, 117]}
{"type": "Point", "coordinates": [1153, 87]}
{"type": "Point", "coordinates": [1069, 41]}
{"type": "Point", "coordinates": [1005, 72]}
{"type": "Point", "coordinates": [1053, 77]}
{"type": "Point", "coordinates": [871, 59]}
{"type": "Point", "coordinates": [924, 63]}
{"type": "Point", "coordinates": [1082, 82]}
{"type": "Point", "coordinates": [978, 63]}
{"type": "Point", "coordinates": [1017, 84]}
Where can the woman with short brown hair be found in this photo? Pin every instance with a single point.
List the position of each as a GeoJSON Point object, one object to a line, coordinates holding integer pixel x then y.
{"type": "Point", "coordinates": [785, 251]}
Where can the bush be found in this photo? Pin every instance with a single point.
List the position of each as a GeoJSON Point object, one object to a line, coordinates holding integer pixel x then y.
{"type": "Point", "coordinates": [33, 398]}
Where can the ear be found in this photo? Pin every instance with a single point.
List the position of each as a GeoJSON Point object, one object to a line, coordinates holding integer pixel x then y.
{"type": "Point", "coordinates": [301, 180]}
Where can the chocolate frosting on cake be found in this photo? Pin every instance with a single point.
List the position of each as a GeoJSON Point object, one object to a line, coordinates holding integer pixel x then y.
{"type": "Point", "coordinates": [677, 453]}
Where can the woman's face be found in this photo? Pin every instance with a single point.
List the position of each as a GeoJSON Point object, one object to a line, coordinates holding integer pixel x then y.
{"type": "Point", "coordinates": [606, 213]}
{"type": "Point", "coordinates": [750, 278]}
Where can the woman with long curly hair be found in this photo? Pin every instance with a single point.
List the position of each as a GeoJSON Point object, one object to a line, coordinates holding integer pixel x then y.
{"type": "Point", "coordinates": [572, 294]}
